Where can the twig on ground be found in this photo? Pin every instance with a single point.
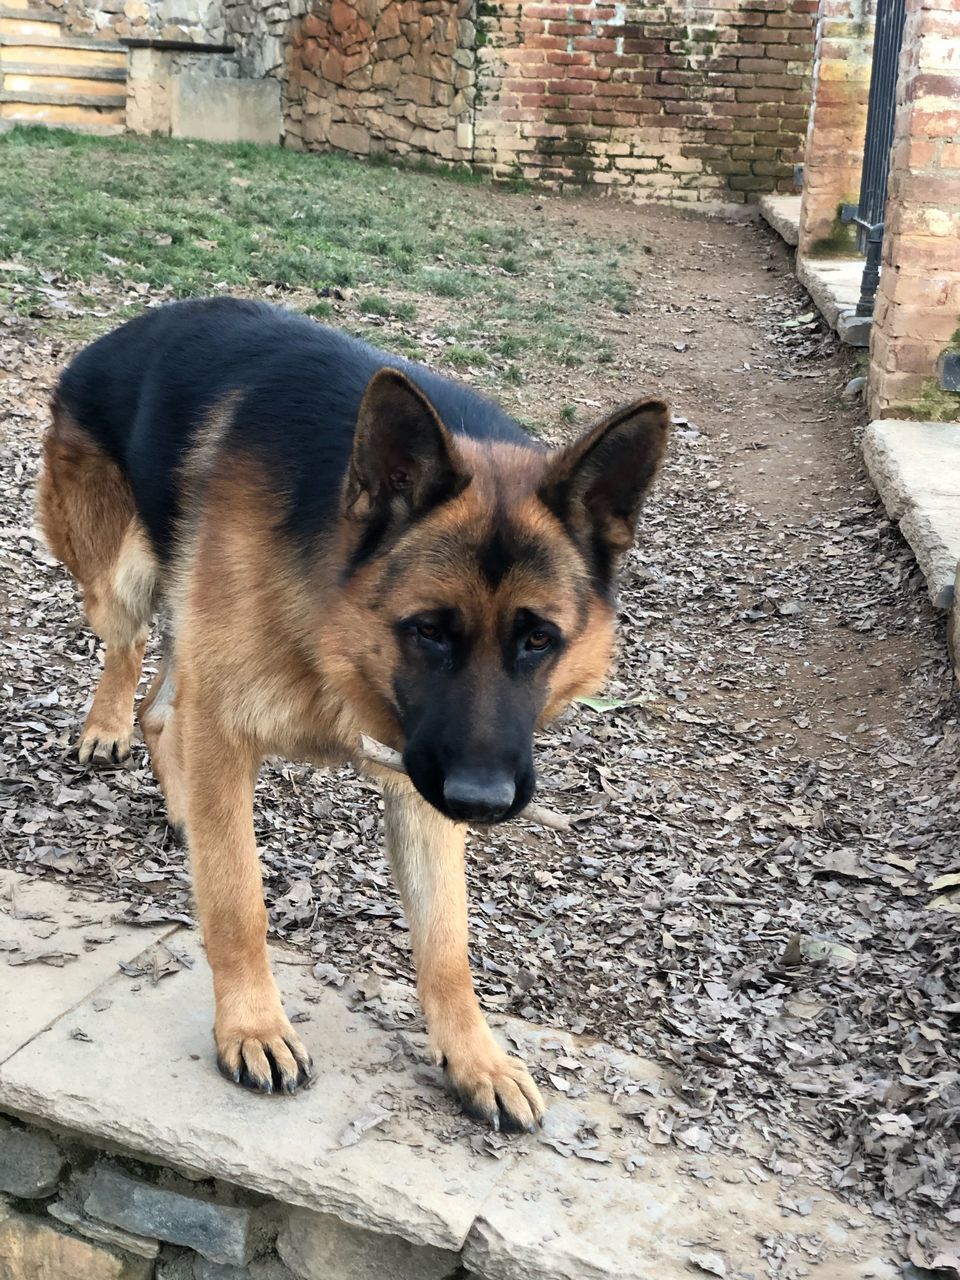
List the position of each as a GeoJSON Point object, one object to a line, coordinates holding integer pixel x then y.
{"type": "Point", "coordinates": [377, 753]}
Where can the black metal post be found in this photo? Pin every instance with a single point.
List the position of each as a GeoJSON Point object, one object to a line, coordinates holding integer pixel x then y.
{"type": "Point", "coordinates": [871, 268]}
{"type": "Point", "coordinates": [881, 111]}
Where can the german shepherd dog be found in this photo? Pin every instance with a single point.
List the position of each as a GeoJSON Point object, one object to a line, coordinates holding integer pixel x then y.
{"type": "Point", "coordinates": [342, 543]}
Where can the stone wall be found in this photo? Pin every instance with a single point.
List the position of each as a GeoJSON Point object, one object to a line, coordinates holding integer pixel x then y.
{"type": "Point", "coordinates": [687, 100]}
{"type": "Point", "coordinates": [683, 101]}
{"type": "Point", "coordinates": [392, 76]}
{"type": "Point", "coordinates": [70, 1210]}
{"type": "Point", "coordinates": [201, 21]}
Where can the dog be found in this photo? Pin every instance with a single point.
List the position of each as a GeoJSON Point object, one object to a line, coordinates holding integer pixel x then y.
{"type": "Point", "coordinates": [341, 543]}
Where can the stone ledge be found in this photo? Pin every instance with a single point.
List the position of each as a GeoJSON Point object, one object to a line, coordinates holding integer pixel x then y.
{"type": "Point", "coordinates": [783, 214]}
{"type": "Point", "coordinates": [374, 1155]}
{"type": "Point", "coordinates": [915, 467]}
{"type": "Point", "coordinates": [833, 283]}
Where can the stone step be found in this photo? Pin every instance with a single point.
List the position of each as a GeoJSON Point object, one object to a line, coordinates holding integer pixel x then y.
{"type": "Point", "coordinates": [53, 70]}
{"type": "Point", "coordinates": [50, 97]}
{"type": "Point", "coordinates": [915, 467]}
{"type": "Point", "coordinates": [387, 1179]}
{"type": "Point", "coordinates": [73, 50]}
{"type": "Point", "coordinates": [55, 86]}
{"type": "Point", "coordinates": [96, 118]}
{"type": "Point", "coordinates": [29, 22]}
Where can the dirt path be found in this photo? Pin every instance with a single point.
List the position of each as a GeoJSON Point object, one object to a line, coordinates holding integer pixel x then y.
{"type": "Point", "coordinates": [751, 901]}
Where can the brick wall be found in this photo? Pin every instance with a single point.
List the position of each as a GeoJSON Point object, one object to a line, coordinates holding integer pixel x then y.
{"type": "Point", "coordinates": [693, 101]}
{"type": "Point", "coordinates": [690, 101]}
{"type": "Point", "coordinates": [917, 316]}
{"type": "Point", "coordinates": [838, 120]}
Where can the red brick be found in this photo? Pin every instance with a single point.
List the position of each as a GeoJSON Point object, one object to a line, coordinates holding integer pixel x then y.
{"type": "Point", "coordinates": [933, 86]}
{"type": "Point", "coordinates": [560, 57]}
{"type": "Point", "coordinates": [797, 21]}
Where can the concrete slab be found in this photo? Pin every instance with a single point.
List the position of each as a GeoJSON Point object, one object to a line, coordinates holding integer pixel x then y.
{"type": "Point", "coordinates": [565, 1219]}
{"type": "Point", "coordinates": [144, 1076]}
{"type": "Point", "coordinates": [39, 919]}
{"type": "Point", "coordinates": [832, 283]}
{"type": "Point", "coordinates": [916, 469]}
{"type": "Point", "coordinates": [783, 214]}
{"type": "Point", "coordinates": [218, 109]}
{"type": "Point", "coordinates": [377, 1143]}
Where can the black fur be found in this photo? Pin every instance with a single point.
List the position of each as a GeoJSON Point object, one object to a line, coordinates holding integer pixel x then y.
{"type": "Point", "coordinates": [142, 391]}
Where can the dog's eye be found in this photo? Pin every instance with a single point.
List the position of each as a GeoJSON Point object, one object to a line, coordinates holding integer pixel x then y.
{"type": "Point", "coordinates": [539, 640]}
{"type": "Point", "coordinates": [427, 631]}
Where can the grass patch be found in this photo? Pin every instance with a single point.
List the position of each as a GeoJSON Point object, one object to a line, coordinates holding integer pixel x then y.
{"type": "Point", "coordinates": [178, 219]}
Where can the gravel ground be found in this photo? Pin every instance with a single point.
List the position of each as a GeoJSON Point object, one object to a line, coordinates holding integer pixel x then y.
{"type": "Point", "coordinates": [767, 798]}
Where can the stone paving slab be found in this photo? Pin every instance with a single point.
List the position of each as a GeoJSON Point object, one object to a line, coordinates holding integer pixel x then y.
{"type": "Point", "coordinates": [783, 214]}
{"type": "Point", "coordinates": [916, 469]}
{"type": "Point", "coordinates": [833, 284]}
{"type": "Point", "coordinates": [146, 1079]}
{"type": "Point", "coordinates": [40, 917]}
{"type": "Point", "coordinates": [377, 1143]}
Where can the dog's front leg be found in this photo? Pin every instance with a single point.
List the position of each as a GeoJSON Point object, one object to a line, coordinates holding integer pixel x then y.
{"type": "Point", "coordinates": [427, 854]}
{"type": "Point", "coordinates": [256, 1045]}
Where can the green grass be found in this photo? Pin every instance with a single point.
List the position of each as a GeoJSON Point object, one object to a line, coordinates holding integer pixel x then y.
{"type": "Point", "coordinates": [188, 218]}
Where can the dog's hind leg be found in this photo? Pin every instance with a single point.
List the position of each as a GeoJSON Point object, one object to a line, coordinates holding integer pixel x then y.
{"type": "Point", "coordinates": [87, 513]}
{"type": "Point", "coordinates": [160, 725]}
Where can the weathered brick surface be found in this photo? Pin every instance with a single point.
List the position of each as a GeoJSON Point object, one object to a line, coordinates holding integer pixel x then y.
{"type": "Point", "coordinates": [838, 119]}
{"type": "Point", "coordinates": [661, 100]}
{"type": "Point", "coordinates": [917, 313]}
{"type": "Point", "coordinates": [636, 96]}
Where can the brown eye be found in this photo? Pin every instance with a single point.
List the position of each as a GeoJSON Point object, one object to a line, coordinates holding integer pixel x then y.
{"type": "Point", "coordinates": [427, 631]}
{"type": "Point", "coordinates": [539, 640]}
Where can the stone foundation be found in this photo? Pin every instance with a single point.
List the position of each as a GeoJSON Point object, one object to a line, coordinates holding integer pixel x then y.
{"type": "Point", "coordinates": [88, 1214]}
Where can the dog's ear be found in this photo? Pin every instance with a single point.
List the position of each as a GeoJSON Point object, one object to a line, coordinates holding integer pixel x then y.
{"type": "Point", "coordinates": [404, 460]}
{"type": "Point", "coordinates": [596, 486]}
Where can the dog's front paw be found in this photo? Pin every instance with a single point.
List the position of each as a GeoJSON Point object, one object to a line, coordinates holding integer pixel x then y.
{"type": "Point", "coordinates": [268, 1058]}
{"type": "Point", "coordinates": [103, 745]}
{"type": "Point", "coordinates": [491, 1086]}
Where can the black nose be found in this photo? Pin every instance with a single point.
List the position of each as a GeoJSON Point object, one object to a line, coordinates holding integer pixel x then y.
{"type": "Point", "coordinates": [478, 797]}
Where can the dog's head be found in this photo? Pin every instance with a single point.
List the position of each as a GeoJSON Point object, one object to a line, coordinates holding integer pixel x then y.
{"type": "Point", "coordinates": [479, 581]}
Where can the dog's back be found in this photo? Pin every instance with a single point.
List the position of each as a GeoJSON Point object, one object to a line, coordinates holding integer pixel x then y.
{"type": "Point", "coordinates": [293, 388]}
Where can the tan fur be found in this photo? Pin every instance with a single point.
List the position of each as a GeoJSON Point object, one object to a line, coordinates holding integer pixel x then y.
{"type": "Point", "coordinates": [427, 854]}
{"type": "Point", "coordinates": [87, 515]}
{"type": "Point", "coordinates": [259, 664]}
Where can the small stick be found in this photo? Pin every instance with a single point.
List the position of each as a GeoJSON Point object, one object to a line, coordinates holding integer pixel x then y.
{"type": "Point", "coordinates": [373, 752]}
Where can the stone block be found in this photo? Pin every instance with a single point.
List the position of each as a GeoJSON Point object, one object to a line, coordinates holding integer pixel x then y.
{"type": "Point", "coordinates": [349, 137]}
{"type": "Point", "coordinates": [915, 467]}
{"type": "Point", "coordinates": [266, 1269]}
{"type": "Point", "coordinates": [318, 1246]}
{"type": "Point", "coordinates": [30, 1163]}
{"type": "Point", "coordinates": [31, 1249]}
{"type": "Point", "coordinates": [102, 1232]}
{"type": "Point", "coordinates": [217, 109]}
{"type": "Point", "coordinates": [854, 330]}
{"type": "Point", "coordinates": [220, 1232]}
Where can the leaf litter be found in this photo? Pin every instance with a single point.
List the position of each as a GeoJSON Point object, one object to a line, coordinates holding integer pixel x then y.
{"type": "Point", "coordinates": [771, 777]}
